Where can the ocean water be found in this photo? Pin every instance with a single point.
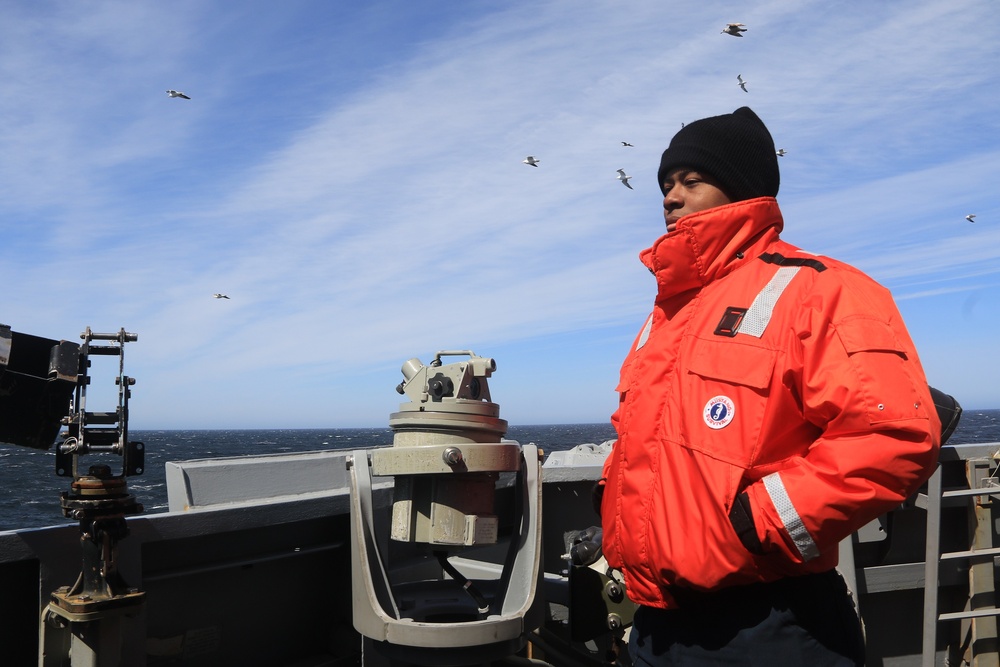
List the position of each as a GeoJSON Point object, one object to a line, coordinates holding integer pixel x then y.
{"type": "Point", "coordinates": [30, 488]}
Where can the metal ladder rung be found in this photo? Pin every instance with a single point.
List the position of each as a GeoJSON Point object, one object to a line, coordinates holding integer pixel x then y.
{"type": "Point", "coordinates": [981, 553]}
{"type": "Point", "coordinates": [957, 493]}
{"type": "Point", "coordinates": [934, 501]}
{"type": "Point", "coordinates": [975, 613]}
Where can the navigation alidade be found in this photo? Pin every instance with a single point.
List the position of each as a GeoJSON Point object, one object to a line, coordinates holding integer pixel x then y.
{"type": "Point", "coordinates": [446, 460]}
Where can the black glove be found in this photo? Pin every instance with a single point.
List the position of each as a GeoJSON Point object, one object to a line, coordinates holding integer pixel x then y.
{"type": "Point", "coordinates": [741, 517]}
{"type": "Point", "coordinates": [597, 494]}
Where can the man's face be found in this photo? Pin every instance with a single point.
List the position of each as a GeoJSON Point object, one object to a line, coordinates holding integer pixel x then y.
{"type": "Point", "coordinates": [689, 191]}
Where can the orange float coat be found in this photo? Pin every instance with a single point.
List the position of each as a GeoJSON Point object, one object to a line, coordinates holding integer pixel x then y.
{"type": "Point", "coordinates": [762, 369]}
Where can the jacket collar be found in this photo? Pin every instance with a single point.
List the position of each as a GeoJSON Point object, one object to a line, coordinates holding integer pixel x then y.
{"type": "Point", "coordinates": [705, 244]}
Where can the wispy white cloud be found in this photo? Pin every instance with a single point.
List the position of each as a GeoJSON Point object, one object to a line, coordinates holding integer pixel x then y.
{"type": "Point", "coordinates": [369, 203]}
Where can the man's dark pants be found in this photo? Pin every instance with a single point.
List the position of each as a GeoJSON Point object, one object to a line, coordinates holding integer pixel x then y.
{"type": "Point", "coordinates": [807, 620]}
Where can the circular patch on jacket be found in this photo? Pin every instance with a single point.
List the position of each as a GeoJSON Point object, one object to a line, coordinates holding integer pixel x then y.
{"type": "Point", "coordinates": [719, 411]}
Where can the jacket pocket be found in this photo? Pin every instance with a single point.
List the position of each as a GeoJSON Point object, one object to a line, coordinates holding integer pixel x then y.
{"type": "Point", "coordinates": [624, 384]}
{"type": "Point", "coordinates": [885, 377]}
{"type": "Point", "coordinates": [732, 363]}
{"type": "Point", "coordinates": [724, 393]}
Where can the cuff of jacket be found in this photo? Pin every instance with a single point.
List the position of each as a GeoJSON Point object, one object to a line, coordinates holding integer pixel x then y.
{"type": "Point", "coordinates": [741, 517]}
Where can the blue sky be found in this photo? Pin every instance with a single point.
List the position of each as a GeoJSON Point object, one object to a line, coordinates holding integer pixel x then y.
{"type": "Point", "coordinates": [350, 175]}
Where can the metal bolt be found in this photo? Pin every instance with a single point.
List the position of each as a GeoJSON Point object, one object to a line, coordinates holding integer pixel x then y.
{"type": "Point", "coordinates": [613, 591]}
{"type": "Point", "coordinates": [614, 621]}
{"type": "Point", "coordinates": [452, 456]}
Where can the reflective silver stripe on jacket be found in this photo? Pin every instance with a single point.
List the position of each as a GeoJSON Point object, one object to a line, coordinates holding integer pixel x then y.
{"type": "Point", "coordinates": [644, 336]}
{"type": "Point", "coordinates": [759, 314]}
{"type": "Point", "coordinates": [790, 518]}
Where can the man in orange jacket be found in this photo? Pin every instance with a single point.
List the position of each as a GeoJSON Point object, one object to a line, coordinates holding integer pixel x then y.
{"type": "Point", "coordinates": [772, 404]}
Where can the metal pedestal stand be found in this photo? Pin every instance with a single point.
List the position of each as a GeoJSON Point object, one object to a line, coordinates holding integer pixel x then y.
{"type": "Point", "coordinates": [85, 621]}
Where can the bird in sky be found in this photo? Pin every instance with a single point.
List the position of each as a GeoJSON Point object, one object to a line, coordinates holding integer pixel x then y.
{"type": "Point", "coordinates": [625, 143]}
{"type": "Point", "coordinates": [780, 152]}
{"type": "Point", "coordinates": [624, 178]}
{"type": "Point", "coordinates": [971, 217]}
{"type": "Point", "coordinates": [220, 296]}
{"type": "Point", "coordinates": [532, 160]}
{"type": "Point", "coordinates": [743, 84]}
{"type": "Point", "coordinates": [177, 93]}
{"type": "Point", "coordinates": [734, 29]}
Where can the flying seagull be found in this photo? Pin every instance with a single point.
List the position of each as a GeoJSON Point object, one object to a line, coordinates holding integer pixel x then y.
{"type": "Point", "coordinates": [176, 93]}
{"type": "Point", "coordinates": [625, 143]}
{"type": "Point", "coordinates": [780, 152]}
{"type": "Point", "coordinates": [220, 296]}
{"type": "Point", "coordinates": [734, 29]}
{"type": "Point", "coordinates": [623, 177]}
{"type": "Point", "coordinates": [743, 84]}
{"type": "Point", "coordinates": [971, 217]}
{"type": "Point", "coordinates": [532, 160]}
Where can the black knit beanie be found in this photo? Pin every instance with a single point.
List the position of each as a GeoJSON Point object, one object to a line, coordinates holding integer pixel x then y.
{"type": "Point", "coordinates": [734, 148]}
